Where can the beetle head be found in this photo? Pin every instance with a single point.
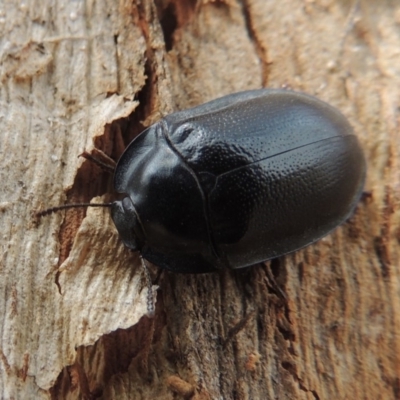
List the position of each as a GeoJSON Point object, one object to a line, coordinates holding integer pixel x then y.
{"type": "Point", "coordinates": [125, 218]}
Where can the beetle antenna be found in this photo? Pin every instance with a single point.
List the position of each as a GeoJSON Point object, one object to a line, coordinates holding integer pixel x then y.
{"type": "Point", "coordinates": [52, 210]}
{"type": "Point", "coordinates": [150, 297]}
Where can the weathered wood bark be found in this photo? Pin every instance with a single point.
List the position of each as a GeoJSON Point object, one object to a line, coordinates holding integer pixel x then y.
{"type": "Point", "coordinates": [78, 75]}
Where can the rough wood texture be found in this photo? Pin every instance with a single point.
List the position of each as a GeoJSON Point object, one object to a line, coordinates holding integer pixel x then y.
{"type": "Point", "coordinates": [78, 75]}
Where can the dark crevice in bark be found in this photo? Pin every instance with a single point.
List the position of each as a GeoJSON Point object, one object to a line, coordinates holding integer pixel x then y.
{"type": "Point", "coordinates": [169, 23]}
{"type": "Point", "coordinates": [291, 368]}
{"type": "Point", "coordinates": [172, 15]}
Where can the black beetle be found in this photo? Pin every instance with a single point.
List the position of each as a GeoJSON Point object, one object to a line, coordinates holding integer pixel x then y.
{"type": "Point", "coordinates": [239, 180]}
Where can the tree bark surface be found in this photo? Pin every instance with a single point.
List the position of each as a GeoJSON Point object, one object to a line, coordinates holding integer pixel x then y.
{"type": "Point", "coordinates": [79, 75]}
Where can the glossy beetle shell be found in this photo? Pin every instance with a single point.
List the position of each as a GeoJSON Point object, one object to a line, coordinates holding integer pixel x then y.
{"type": "Point", "coordinates": [239, 180]}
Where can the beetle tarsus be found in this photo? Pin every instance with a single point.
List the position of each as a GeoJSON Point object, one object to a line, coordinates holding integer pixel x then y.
{"type": "Point", "coordinates": [150, 297]}
{"type": "Point", "coordinates": [274, 284]}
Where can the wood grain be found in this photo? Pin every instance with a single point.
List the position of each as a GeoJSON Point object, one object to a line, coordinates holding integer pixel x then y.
{"type": "Point", "coordinates": [79, 75]}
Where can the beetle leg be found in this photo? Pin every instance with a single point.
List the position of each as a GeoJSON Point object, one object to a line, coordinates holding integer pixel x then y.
{"type": "Point", "coordinates": [101, 159]}
{"type": "Point", "coordinates": [150, 297]}
{"type": "Point", "coordinates": [274, 284]}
